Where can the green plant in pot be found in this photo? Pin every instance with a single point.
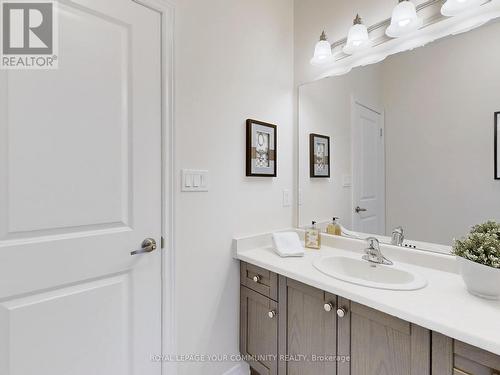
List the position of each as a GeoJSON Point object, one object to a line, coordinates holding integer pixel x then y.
{"type": "Point", "coordinates": [478, 255]}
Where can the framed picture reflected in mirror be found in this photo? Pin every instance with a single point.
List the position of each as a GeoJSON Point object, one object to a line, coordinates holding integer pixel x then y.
{"type": "Point", "coordinates": [319, 155]}
{"type": "Point", "coordinates": [497, 144]}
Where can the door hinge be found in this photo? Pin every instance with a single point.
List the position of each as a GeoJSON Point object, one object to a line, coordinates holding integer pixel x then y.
{"type": "Point", "coordinates": [162, 242]}
{"type": "Point", "coordinates": [381, 132]}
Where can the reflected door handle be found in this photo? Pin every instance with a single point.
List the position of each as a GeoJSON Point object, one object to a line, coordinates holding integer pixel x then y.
{"type": "Point", "coordinates": [148, 245]}
{"type": "Point", "coordinates": [359, 209]}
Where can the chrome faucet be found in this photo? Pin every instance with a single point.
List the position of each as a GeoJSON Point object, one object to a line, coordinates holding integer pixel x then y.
{"type": "Point", "coordinates": [373, 253]}
{"type": "Point", "coordinates": [398, 236]}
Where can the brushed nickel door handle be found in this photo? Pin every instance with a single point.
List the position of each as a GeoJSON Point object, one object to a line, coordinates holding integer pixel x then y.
{"type": "Point", "coordinates": [148, 245]}
{"type": "Point", "coordinates": [359, 209]}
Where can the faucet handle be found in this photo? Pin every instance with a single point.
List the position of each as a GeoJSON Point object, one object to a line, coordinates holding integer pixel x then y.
{"type": "Point", "coordinates": [373, 243]}
{"type": "Point", "coordinates": [399, 230]}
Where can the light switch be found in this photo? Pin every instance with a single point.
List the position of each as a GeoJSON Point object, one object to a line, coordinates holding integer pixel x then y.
{"type": "Point", "coordinates": [194, 180]}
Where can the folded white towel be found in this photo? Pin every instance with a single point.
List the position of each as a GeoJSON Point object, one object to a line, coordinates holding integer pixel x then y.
{"type": "Point", "coordinates": [287, 244]}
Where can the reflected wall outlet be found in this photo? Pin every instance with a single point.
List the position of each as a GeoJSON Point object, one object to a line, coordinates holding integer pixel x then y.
{"type": "Point", "coordinates": [347, 180]}
{"type": "Point", "coordinates": [287, 198]}
{"type": "Point", "coordinates": [194, 180]}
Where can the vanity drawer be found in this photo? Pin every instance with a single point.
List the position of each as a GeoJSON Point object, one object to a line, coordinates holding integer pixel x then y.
{"type": "Point", "coordinates": [260, 280]}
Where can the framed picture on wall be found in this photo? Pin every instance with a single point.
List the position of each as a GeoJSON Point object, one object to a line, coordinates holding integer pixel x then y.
{"type": "Point", "coordinates": [497, 144]}
{"type": "Point", "coordinates": [319, 155]}
{"type": "Point", "coordinates": [261, 149]}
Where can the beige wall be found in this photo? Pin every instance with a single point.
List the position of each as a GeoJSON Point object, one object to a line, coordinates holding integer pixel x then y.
{"type": "Point", "coordinates": [234, 60]}
{"type": "Point", "coordinates": [440, 101]}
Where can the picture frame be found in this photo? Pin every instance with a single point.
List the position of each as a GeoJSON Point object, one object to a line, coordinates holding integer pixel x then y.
{"type": "Point", "coordinates": [319, 156]}
{"type": "Point", "coordinates": [497, 144]}
{"type": "Point", "coordinates": [261, 149]}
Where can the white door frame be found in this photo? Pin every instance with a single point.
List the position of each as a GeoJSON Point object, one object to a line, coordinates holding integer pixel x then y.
{"type": "Point", "coordinates": [166, 9]}
{"type": "Point", "coordinates": [364, 102]}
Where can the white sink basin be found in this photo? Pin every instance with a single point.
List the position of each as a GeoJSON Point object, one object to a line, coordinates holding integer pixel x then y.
{"type": "Point", "coordinates": [361, 272]}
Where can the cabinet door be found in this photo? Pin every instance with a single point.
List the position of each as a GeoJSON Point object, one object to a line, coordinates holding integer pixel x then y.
{"type": "Point", "coordinates": [311, 330]}
{"type": "Point", "coordinates": [259, 331]}
{"type": "Point", "coordinates": [381, 344]}
{"type": "Point", "coordinates": [453, 357]}
{"type": "Point", "coordinates": [470, 360]}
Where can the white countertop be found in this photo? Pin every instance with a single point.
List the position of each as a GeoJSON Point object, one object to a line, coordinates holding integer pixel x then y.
{"type": "Point", "coordinates": [444, 305]}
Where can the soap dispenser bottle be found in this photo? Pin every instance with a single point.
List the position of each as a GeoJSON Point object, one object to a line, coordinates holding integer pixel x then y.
{"type": "Point", "coordinates": [312, 237]}
{"type": "Point", "coordinates": [334, 228]}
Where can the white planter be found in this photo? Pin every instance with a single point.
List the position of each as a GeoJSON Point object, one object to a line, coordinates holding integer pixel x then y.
{"type": "Point", "coordinates": [481, 280]}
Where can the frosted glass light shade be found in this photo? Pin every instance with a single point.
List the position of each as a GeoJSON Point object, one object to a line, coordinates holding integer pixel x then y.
{"type": "Point", "coordinates": [455, 7]}
{"type": "Point", "coordinates": [404, 20]}
{"type": "Point", "coordinates": [322, 51]}
{"type": "Point", "coordinates": [357, 39]}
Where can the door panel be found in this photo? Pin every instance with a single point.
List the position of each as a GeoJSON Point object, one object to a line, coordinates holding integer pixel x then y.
{"type": "Point", "coordinates": [85, 116]}
{"type": "Point", "coordinates": [311, 331]}
{"type": "Point", "coordinates": [41, 326]}
{"type": "Point", "coordinates": [382, 344]}
{"type": "Point", "coordinates": [80, 188]}
{"type": "Point", "coordinates": [259, 331]}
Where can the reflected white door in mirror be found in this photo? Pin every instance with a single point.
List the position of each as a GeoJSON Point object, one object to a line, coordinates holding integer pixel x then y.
{"type": "Point", "coordinates": [368, 167]}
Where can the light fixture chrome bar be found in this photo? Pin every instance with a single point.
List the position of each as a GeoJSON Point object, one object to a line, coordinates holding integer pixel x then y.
{"type": "Point", "coordinates": [379, 28]}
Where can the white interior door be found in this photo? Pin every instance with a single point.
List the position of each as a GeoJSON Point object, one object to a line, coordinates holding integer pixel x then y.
{"type": "Point", "coordinates": [368, 165]}
{"type": "Point", "coordinates": [80, 188]}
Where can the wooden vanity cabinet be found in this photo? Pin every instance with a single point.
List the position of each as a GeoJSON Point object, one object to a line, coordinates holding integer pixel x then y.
{"type": "Point", "coordinates": [453, 357]}
{"type": "Point", "coordinates": [283, 320]}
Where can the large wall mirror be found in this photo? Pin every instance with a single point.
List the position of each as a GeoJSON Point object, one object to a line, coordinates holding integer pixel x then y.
{"type": "Point", "coordinates": [411, 143]}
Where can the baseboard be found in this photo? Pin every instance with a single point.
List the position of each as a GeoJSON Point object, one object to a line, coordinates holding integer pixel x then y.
{"type": "Point", "coordinates": [240, 369]}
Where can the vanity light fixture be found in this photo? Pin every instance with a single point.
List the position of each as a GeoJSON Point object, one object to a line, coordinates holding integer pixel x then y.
{"type": "Point", "coordinates": [357, 38]}
{"type": "Point", "coordinates": [455, 7]}
{"type": "Point", "coordinates": [322, 51]}
{"type": "Point", "coordinates": [404, 20]}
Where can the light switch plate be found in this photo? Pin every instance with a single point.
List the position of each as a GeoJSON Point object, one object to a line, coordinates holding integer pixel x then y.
{"type": "Point", "coordinates": [194, 180]}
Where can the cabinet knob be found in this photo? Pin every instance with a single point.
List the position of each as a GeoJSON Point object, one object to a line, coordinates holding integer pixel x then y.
{"type": "Point", "coordinates": [257, 278]}
{"type": "Point", "coordinates": [341, 312]}
{"type": "Point", "coordinates": [271, 314]}
{"type": "Point", "coordinates": [328, 306]}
